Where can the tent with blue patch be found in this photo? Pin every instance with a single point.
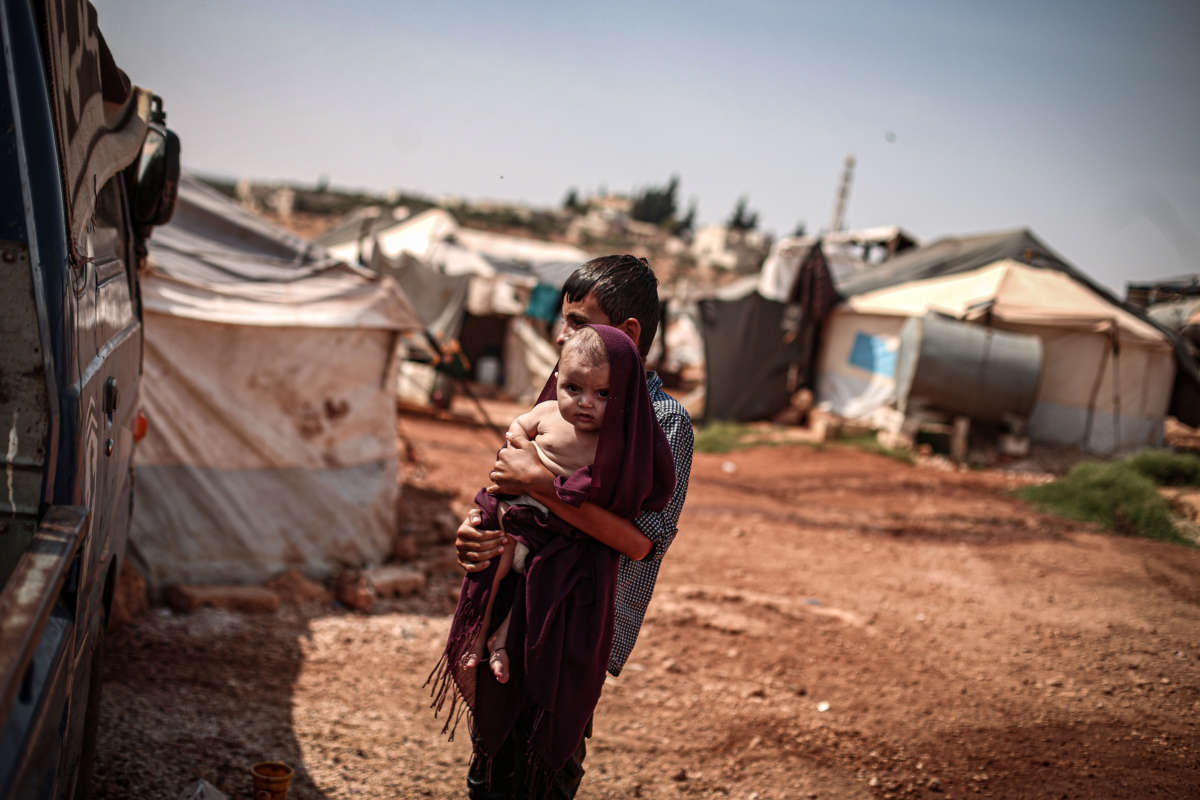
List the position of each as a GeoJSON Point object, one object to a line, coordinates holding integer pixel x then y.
{"type": "Point", "coordinates": [1106, 376]}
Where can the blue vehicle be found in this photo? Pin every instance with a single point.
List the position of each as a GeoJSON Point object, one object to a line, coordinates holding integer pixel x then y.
{"type": "Point", "coordinates": [87, 168]}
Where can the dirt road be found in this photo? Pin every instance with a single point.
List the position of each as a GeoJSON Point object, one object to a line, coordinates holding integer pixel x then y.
{"type": "Point", "coordinates": [829, 624]}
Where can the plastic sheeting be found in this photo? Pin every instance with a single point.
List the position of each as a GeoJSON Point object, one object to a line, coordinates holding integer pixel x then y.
{"type": "Point", "coordinates": [268, 448]}
{"type": "Point", "coordinates": [219, 263]}
{"type": "Point", "coordinates": [269, 385]}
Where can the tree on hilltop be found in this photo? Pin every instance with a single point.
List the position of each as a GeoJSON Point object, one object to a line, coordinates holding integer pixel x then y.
{"type": "Point", "coordinates": [657, 204]}
{"type": "Point", "coordinates": [743, 219]}
{"type": "Point", "coordinates": [688, 223]}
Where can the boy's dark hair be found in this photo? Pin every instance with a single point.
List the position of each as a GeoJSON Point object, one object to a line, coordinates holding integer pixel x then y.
{"type": "Point", "coordinates": [624, 287]}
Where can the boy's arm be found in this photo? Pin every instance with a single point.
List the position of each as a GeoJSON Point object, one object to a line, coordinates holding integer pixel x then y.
{"type": "Point", "coordinates": [519, 471]}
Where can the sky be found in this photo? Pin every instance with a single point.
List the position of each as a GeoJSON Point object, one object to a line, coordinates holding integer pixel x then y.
{"type": "Point", "coordinates": [1078, 120]}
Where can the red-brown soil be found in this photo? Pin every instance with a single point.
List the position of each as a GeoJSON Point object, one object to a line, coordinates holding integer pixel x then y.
{"type": "Point", "coordinates": [828, 624]}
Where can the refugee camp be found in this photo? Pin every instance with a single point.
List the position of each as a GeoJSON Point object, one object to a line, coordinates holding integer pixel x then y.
{"type": "Point", "coordinates": [506, 401]}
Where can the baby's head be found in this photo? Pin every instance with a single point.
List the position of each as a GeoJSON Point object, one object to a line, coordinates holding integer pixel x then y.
{"type": "Point", "coordinates": [583, 376]}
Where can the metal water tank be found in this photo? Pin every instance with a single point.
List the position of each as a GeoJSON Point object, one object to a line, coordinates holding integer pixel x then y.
{"type": "Point", "coordinates": [965, 368]}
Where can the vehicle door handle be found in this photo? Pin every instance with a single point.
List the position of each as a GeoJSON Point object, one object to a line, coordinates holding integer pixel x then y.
{"type": "Point", "coordinates": [111, 397]}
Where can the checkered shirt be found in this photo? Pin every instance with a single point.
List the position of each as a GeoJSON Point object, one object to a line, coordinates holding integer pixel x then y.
{"type": "Point", "coordinates": [635, 579]}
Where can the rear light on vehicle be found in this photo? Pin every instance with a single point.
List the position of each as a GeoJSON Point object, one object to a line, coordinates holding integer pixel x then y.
{"type": "Point", "coordinates": [140, 426]}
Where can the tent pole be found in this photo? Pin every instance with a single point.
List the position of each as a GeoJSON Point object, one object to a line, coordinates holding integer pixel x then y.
{"type": "Point", "coordinates": [1116, 357]}
{"type": "Point", "coordinates": [1087, 428]}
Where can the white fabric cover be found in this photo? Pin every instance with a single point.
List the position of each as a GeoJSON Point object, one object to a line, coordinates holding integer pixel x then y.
{"type": "Point", "coordinates": [1087, 398]}
{"type": "Point", "coordinates": [269, 378]}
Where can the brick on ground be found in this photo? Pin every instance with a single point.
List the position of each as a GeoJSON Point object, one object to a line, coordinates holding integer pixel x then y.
{"type": "Point", "coordinates": [251, 599]}
{"type": "Point", "coordinates": [396, 580]}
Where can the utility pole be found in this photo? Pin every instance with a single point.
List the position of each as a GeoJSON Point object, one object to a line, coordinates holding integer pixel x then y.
{"type": "Point", "coordinates": [839, 206]}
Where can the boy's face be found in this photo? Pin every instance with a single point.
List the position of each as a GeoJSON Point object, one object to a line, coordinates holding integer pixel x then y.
{"type": "Point", "coordinates": [582, 391]}
{"type": "Point", "coordinates": [578, 313]}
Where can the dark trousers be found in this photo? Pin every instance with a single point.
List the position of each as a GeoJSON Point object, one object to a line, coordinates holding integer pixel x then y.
{"type": "Point", "coordinates": [509, 780]}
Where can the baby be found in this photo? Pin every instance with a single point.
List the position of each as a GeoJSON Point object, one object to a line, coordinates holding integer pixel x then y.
{"type": "Point", "coordinates": [564, 433]}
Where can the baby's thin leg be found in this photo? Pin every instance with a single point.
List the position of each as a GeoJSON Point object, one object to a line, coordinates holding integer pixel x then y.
{"type": "Point", "coordinates": [475, 653]}
{"type": "Point", "coordinates": [497, 642]}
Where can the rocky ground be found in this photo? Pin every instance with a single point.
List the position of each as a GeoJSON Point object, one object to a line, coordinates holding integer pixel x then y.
{"type": "Point", "coordinates": [829, 624]}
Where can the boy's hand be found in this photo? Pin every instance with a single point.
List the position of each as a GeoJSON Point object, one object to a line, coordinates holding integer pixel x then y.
{"type": "Point", "coordinates": [477, 548]}
{"type": "Point", "coordinates": [518, 470]}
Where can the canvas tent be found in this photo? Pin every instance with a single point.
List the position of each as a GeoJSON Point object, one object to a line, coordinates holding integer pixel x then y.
{"type": "Point", "coordinates": [268, 387]}
{"type": "Point", "coordinates": [501, 274]}
{"type": "Point", "coordinates": [761, 333]}
{"type": "Point", "coordinates": [1107, 372]}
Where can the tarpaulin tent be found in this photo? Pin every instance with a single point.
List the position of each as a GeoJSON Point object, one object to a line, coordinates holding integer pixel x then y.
{"type": "Point", "coordinates": [502, 273]}
{"type": "Point", "coordinates": [1106, 375]}
{"type": "Point", "coordinates": [268, 384]}
{"type": "Point", "coordinates": [760, 334]}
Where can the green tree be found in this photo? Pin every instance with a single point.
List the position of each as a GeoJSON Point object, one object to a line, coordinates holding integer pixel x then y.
{"type": "Point", "coordinates": [571, 202]}
{"type": "Point", "coordinates": [688, 223]}
{"type": "Point", "coordinates": [801, 229]}
{"type": "Point", "coordinates": [743, 219]}
{"type": "Point", "coordinates": [657, 204]}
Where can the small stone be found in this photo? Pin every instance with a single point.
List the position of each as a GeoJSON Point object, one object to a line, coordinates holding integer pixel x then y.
{"type": "Point", "coordinates": [757, 692]}
{"type": "Point", "coordinates": [681, 775]}
{"type": "Point", "coordinates": [823, 706]}
{"type": "Point", "coordinates": [350, 588]}
{"type": "Point", "coordinates": [873, 782]}
{"type": "Point", "coordinates": [202, 790]}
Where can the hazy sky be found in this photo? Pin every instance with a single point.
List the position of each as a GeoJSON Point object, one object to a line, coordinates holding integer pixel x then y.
{"type": "Point", "coordinates": [1080, 120]}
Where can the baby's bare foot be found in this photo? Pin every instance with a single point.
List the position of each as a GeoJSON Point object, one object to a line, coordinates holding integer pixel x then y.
{"type": "Point", "coordinates": [499, 664]}
{"type": "Point", "coordinates": [499, 658]}
{"type": "Point", "coordinates": [474, 654]}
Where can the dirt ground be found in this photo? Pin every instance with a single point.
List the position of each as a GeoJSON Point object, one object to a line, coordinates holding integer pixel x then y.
{"type": "Point", "coordinates": [829, 624]}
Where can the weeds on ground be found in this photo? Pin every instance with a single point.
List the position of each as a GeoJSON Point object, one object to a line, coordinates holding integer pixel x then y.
{"type": "Point", "coordinates": [1120, 495]}
{"type": "Point", "coordinates": [1166, 467]}
{"type": "Point", "coordinates": [724, 437]}
{"type": "Point", "coordinates": [720, 437]}
{"type": "Point", "coordinates": [869, 443]}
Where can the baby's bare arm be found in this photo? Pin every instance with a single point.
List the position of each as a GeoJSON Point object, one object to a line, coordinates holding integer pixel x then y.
{"type": "Point", "coordinates": [525, 426]}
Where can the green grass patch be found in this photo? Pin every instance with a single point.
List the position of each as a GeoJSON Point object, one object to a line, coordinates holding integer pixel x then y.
{"type": "Point", "coordinates": [1166, 467]}
{"type": "Point", "coordinates": [1117, 495]}
{"type": "Point", "coordinates": [725, 437]}
{"type": "Point", "coordinates": [869, 442]}
{"type": "Point", "coordinates": [719, 437]}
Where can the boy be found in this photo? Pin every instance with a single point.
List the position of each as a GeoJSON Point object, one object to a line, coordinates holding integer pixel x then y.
{"type": "Point", "coordinates": [621, 291]}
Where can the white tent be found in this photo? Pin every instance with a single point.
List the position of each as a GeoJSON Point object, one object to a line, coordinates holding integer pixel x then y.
{"type": "Point", "coordinates": [502, 271]}
{"type": "Point", "coordinates": [1106, 376]}
{"type": "Point", "coordinates": [268, 375]}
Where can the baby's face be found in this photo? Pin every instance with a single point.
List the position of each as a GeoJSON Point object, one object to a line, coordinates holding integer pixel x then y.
{"type": "Point", "coordinates": [582, 392]}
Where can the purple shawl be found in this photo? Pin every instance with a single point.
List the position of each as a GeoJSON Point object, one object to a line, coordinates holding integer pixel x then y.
{"type": "Point", "coordinates": [562, 624]}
